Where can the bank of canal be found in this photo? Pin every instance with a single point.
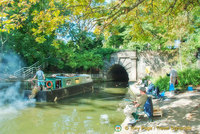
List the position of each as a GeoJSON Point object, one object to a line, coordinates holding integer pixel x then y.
{"type": "Point", "coordinates": [91, 113]}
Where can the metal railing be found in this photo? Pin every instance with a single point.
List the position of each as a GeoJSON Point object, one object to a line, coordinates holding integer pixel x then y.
{"type": "Point", "coordinates": [21, 71]}
{"type": "Point", "coordinates": [27, 72]}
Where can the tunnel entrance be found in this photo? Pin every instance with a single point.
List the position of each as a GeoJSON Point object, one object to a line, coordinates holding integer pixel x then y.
{"type": "Point", "coordinates": [118, 73]}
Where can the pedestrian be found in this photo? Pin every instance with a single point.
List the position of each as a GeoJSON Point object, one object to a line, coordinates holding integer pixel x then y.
{"type": "Point", "coordinates": [173, 78]}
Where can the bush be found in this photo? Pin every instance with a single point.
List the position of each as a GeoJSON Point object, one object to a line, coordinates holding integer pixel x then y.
{"type": "Point", "coordinates": [189, 77]}
{"type": "Point", "coordinates": [163, 83]}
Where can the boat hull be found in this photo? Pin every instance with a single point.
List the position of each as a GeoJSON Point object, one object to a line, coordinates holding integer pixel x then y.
{"type": "Point", "coordinates": [58, 94]}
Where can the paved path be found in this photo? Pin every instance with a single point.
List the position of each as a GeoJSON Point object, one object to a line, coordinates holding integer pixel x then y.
{"type": "Point", "coordinates": [180, 116]}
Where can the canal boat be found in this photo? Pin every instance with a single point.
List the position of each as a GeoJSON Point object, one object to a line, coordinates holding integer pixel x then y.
{"type": "Point", "coordinates": [60, 86]}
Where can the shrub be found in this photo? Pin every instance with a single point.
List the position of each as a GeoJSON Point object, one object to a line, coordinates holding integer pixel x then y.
{"type": "Point", "coordinates": [163, 83]}
{"type": "Point", "coordinates": [189, 77]}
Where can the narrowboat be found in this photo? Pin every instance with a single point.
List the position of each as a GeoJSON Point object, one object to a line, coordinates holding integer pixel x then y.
{"type": "Point", "coordinates": [60, 86]}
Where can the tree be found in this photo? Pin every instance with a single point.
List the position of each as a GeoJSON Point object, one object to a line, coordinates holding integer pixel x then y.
{"type": "Point", "coordinates": [132, 24]}
{"type": "Point", "coordinates": [5, 24]}
{"type": "Point", "coordinates": [149, 21]}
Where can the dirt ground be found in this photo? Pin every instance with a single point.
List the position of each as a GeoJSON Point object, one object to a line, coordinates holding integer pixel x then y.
{"type": "Point", "coordinates": [181, 115]}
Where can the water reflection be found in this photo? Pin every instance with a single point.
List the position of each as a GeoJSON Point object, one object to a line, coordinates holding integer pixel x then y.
{"type": "Point", "coordinates": [104, 119]}
{"type": "Point", "coordinates": [90, 113]}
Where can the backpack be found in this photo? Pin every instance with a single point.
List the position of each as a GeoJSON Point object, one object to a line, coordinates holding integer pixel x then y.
{"type": "Point", "coordinates": [148, 108]}
{"type": "Point", "coordinates": [151, 88]}
{"type": "Point", "coordinates": [156, 92]}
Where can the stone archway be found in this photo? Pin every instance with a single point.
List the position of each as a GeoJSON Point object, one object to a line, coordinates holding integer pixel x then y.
{"type": "Point", "coordinates": [117, 73]}
{"type": "Point", "coordinates": [123, 59]}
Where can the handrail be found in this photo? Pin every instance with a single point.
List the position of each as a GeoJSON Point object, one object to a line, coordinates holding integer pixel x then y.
{"type": "Point", "coordinates": [26, 72]}
{"type": "Point", "coordinates": [25, 68]}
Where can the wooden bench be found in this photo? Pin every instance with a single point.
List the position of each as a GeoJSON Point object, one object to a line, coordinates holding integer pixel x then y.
{"type": "Point", "coordinates": [197, 88]}
{"type": "Point", "coordinates": [157, 111]}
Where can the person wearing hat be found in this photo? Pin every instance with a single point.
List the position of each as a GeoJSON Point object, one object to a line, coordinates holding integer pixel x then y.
{"type": "Point", "coordinates": [131, 111]}
{"type": "Point", "coordinates": [141, 101]}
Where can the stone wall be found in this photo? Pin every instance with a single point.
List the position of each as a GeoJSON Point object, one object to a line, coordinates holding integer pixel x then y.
{"type": "Point", "coordinates": [125, 58]}
{"type": "Point", "coordinates": [135, 63]}
{"type": "Point", "coordinates": [157, 62]}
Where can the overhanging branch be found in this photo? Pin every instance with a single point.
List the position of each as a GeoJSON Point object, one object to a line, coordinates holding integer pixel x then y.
{"type": "Point", "coordinates": [121, 11]}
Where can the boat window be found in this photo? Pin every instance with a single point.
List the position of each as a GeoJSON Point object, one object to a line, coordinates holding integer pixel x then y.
{"type": "Point", "coordinates": [68, 82]}
{"type": "Point", "coordinates": [58, 83]}
{"type": "Point", "coordinates": [77, 80]}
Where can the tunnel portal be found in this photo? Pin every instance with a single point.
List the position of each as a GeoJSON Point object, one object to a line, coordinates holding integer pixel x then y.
{"type": "Point", "coordinates": [117, 73]}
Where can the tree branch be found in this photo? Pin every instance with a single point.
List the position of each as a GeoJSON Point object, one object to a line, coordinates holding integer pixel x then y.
{"type": "Point", "coordinates": [118, 5]}
{"type": "Point", "coordinates": [139, 21]}
{"type": "Point", "coordinates": [152, 7]}
{"type": "Point", "coordinates": [171, 7]}
{"type": "Point", "coordinates": [89, 4]}
{"type": "Point", "coordinates": [119, 13]}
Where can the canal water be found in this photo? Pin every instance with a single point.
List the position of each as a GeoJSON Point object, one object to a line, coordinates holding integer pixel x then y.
{"type": "Point", "coordinates": [90, 113]}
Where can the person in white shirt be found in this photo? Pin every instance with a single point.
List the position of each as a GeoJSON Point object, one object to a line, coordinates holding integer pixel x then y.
{"type": "Point", "coordinates": [173, 76]}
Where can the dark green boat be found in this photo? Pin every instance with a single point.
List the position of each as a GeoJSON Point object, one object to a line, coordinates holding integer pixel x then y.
{"type": "Point", "coordinates": [62, 86]}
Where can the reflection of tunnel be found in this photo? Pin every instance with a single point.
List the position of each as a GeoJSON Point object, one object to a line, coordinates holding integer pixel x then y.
{"type": "Point", "coordinates": [118, 73]}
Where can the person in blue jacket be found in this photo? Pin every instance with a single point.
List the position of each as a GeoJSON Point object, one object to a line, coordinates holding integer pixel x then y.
{"type": "Point", "coordinates": [151, 87]}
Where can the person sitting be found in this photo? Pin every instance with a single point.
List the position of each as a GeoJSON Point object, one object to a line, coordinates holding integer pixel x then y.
{"type": "Point", "coordinates": [131, 111]}
{"type": "Point", "coordinates": [139, 82]}
{"type": "Point", "coordinates": [153, 90]}
{"type": "Point", "coordinates": [151, 87]}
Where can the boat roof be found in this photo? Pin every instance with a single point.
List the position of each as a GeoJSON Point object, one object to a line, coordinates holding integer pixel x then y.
{"type": "Point", "coordinates": [81, 75]}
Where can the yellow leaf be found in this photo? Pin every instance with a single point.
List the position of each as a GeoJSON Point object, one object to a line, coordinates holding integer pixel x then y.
{"type": "Point", "coordinates": [33, 1]}
{"type": "Point", "coordinates": [56, 13]}
{"type": "Point", "coordinates": [51, 4]}
{"type": "Point", "coordinates": [34, 30]}
{"type": "Point", "coordinates": [55, 44]}
{"type": "Point", "coordinates": [97, 31]}
{"type": "Point", "coordinates": [35, 12]}
{"type": "Point", "coordinates": [3, 30]}
{"type": "Point", "coordinates": [40, 39]}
